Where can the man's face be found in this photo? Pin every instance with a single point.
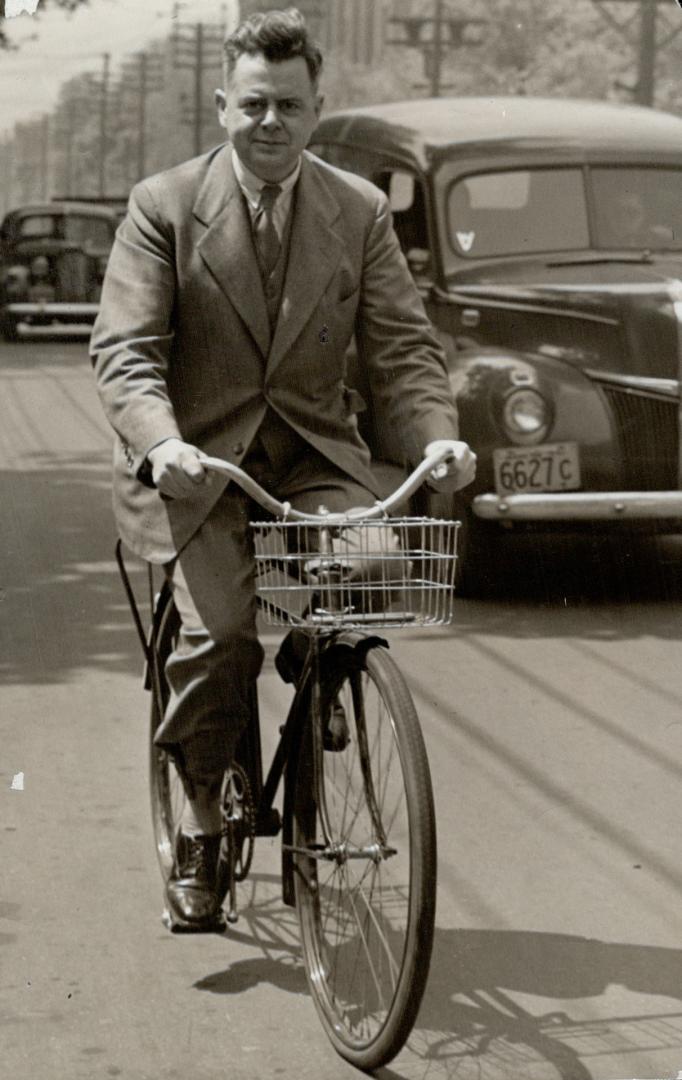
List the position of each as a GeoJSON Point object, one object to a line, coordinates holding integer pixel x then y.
{"type": "Point", "coordinates": [269, 111]}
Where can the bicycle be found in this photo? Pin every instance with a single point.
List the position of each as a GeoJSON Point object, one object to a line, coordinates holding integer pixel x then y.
{"type": "Point", "coordinates": [357, 820]}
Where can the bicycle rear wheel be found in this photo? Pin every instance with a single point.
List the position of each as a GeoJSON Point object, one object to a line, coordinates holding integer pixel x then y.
{"type": "Point", "coordinates": [365, 891]}
{"type": "Point", "coordinates": [165, 786]}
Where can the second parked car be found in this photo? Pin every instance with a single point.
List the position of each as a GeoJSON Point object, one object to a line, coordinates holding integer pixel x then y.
{"type": "Point", "coordinates": [52, 262]}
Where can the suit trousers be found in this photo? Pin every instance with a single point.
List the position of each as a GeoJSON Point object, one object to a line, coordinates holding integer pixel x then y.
{"type": "Point", "coordinates": [213, 670]}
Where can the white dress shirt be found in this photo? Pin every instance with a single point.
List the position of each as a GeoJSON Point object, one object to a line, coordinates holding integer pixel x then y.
{"type": "Point", "coordinates": [252, 186]}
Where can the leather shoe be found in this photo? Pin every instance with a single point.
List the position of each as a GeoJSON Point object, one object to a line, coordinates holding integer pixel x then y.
{"type": "Point", "coordinates": [193, 902]}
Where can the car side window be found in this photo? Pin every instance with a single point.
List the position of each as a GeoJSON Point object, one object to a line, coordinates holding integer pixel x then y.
{"type": "Point", "coordinates": [408, 205]}
{"type": "Point", "coordinates": [405, 193]}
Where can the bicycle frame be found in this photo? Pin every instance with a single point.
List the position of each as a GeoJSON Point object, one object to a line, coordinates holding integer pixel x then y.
{"type": "Point", "coordinates": [287, 754]}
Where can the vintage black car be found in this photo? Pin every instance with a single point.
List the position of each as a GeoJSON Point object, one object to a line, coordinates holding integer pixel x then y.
{"type": "Point", "coordinates": [546, 239]}
{"type": "Point", "coordinates": [52, 262]}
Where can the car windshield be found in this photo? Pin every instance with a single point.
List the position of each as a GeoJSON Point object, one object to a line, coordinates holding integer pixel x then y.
{"type": "Point", "coordinates": [517, 213]}
{"type": "Point", "coordinates": [92, 232]}
{"type": "Point", "coordinates": [37, 225]}
{"type": "Point", "coordinates": [637, 208]}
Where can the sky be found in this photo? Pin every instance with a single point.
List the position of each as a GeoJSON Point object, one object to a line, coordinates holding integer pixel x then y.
{"type": "Point", "coordinates": [53, 46]}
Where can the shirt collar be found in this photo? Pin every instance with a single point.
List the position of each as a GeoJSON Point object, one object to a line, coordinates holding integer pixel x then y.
{"type": "Point", "coordinates": [252, 185]}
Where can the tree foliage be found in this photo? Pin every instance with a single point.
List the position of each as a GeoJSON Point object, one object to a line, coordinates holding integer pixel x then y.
{"type": "Point", "coordinates": [67, 5]}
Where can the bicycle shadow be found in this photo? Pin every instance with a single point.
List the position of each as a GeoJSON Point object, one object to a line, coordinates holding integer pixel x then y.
{"type": "Point", "coordinates": [267, 924]}
{"type": "Point", "coordinates": [473, 1020]}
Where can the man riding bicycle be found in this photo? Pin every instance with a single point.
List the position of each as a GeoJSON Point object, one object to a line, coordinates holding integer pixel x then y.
{"type": "Point", "coordinates": [234, 287]}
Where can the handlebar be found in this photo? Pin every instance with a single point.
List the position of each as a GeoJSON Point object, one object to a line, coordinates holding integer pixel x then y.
{"type": "Point", "coordinates": [380, 508]}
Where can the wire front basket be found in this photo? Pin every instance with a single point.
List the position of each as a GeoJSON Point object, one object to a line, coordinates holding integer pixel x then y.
{"type": "Point", "coordinates": [389, 572]}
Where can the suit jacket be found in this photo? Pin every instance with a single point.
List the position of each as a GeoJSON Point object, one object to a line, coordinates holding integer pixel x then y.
{"type": "Point", "coordinates": [183, 346]}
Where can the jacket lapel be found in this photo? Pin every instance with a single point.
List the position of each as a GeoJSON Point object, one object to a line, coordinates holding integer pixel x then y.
{"type": "Point", "coordinates": [314, 253]}
{"type": "Point", "coordinates": [227, 246]}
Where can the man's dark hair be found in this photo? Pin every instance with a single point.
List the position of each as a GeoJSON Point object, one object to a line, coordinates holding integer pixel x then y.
{"type": "Point", "coordinates": [277, 35]}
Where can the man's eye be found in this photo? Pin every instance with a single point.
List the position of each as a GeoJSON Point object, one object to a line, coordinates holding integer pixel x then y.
{"type": "Point", "coordinates": [252, 107]}
{"type": "Point", "coordinates": [289, 107]}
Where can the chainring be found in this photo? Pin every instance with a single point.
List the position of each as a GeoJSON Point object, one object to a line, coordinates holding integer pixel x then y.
{"type": "Point", "coordinates": [239, 823]}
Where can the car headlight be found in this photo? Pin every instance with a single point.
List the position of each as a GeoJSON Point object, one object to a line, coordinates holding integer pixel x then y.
{"type": "Point", "coordinates": [526, 416]}
{"type": "Point", "coordinates": [15, 281]}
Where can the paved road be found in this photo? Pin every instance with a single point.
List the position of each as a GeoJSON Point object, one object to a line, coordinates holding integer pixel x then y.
{"type": "Point", "coordinates": [554, 725]}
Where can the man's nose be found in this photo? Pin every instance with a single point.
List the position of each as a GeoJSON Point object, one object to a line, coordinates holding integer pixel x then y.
{"type": "Point", "coordinates": [271, 118]}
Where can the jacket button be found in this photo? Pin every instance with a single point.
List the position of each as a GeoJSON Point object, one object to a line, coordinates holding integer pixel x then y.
{"type": "Point", "coordinates": [238, 448]}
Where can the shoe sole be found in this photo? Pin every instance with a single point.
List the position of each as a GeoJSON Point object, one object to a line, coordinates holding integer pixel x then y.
{"type": "Point", "coordinates": [176, 925]}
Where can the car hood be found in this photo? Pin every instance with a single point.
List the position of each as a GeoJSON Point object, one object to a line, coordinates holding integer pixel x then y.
{"type": "Point", "coordinates": [617, 314]}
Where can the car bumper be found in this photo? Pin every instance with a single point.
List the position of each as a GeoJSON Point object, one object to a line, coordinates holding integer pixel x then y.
{"type": "Point", "coordinates": [52, 318]}
{"type": "Point", "coordinates": [611, 506]}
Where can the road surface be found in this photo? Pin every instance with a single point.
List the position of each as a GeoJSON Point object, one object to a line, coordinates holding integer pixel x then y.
{"type": "Point", "coordinates": [553, 721]}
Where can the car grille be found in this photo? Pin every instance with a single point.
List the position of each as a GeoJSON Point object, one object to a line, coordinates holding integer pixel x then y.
{"type": "Point", "coordinates": [648, 432]}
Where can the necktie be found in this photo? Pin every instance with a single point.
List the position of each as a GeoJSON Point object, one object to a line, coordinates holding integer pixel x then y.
{"type": "Point", "coordinates": [268, 242]}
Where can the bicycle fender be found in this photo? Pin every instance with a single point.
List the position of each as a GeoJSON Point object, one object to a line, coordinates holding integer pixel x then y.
{"type": "Point", "coordinates": [357, 642]}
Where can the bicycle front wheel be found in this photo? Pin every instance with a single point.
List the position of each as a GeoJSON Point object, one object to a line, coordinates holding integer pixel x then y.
{"type": "Point", "coordinates": [365, 859]}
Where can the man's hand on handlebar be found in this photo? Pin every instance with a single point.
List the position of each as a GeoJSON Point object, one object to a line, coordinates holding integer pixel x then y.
{"type": "Point", "coordinates": [457, 470]}
{"type": "Point", "coordinates": [177, 469]}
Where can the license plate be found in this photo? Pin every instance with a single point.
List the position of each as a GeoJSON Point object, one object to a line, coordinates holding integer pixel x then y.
{"type": "Point", "coordinates": [528, 469]}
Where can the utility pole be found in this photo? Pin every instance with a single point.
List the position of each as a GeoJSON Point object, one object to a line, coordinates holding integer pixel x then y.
{"type": "Point", "coordinates": [141, 76]}
{"type": "Point", "coordinates": [103, 103]}
{"type": "Point", "coordinates": [6, 173]}
{"type": "Point", "coordinates": [433, 35]}
{"type": "Point", "coordinates": [198, 88]}
{"type": "Point", "coordinates": [65, 133]}
{"type": "Point", "coordinates": [647, 54]}
{"type": "Point", "coordinates": [437, 53]}
{"type": "Point", "coordinates": [44, 155]}
{"type": "Point", "coordinates": [198, 53]}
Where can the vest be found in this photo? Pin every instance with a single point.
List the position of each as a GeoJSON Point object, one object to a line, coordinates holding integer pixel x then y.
{"type": "Point", "coordinates": [276, 447]}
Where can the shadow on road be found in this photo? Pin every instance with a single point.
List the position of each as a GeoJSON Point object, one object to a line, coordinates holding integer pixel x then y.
{"type": "Point", "coordinates": [476, 1019]}
{"type": "Point", "coordinates": [62, 603]}
{"type": "Point", "coordinates": [471, 1025]}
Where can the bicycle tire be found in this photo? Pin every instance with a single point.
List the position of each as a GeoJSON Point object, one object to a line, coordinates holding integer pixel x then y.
{"type": "Point", "coordinates": [366, 933]}
{"type": "Point", "coordinates": [166, 791]}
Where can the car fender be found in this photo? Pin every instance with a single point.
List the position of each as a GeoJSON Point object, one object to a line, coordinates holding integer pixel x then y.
{"type": "Point", "coordinates": [482, 378]}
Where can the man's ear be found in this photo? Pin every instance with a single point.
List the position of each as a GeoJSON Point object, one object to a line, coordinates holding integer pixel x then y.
{"type": "Point", "coordinates": [319, 102]}
{"type": "Point", "coordinates": [221, 105]}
